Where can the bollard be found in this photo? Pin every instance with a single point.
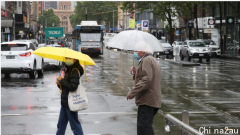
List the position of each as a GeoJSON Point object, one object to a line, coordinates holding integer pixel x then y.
{"type": "Point", "coordinates": [185, 119]}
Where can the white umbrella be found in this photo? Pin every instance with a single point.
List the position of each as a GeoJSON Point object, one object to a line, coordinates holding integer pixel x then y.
{"type": "Point", "coordinates": [130, 39]}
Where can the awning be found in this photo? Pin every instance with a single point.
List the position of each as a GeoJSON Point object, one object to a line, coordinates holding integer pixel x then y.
{"type": "Point", "coordinates": [6, 23]}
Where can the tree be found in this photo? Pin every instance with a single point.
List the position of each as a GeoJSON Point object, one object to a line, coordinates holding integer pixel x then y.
{"type": "Point", "coordinates": [96, 11]}
{"type": "Point", "coordinates": [164, 10]}
{"type": "Point", "coordinates": [49, 17]}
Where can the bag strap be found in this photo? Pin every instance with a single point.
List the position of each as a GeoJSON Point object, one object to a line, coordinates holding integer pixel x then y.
{"type": "Point", "coordinates": [78, 72]}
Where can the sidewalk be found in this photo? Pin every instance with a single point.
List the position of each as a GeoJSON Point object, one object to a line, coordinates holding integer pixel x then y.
{"type": "Point", "coordinates": [225, 56]}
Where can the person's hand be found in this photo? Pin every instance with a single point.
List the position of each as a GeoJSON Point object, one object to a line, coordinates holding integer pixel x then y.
{"type": "Point", "coordinates": [59, 78]}
{"type": "Point", "coordinates": [133, 70]}
{"type": "Point", "coordinates": [128, 97]}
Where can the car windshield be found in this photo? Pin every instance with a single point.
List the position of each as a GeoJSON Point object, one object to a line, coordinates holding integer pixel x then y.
{"type": "Point", "coordinates": [13, 47]}
{"type": "Point", "coordinates": [179, 43]}
{"type": "Point", "coordinates": [209, 42]}
{"type": "Point", "coordinates": [90, 36]}
{"type": "Point", "coordinates": [197, 44]}
{"type": "Point", "coordinates": [166, 45]}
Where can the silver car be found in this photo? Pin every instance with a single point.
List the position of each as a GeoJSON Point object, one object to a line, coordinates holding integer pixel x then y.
{"type": "Point", "coordinates": [195, 49]}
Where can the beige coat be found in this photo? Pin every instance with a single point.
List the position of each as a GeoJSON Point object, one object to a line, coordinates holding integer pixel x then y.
{"type": "Point", "coordinates": [147, 89]}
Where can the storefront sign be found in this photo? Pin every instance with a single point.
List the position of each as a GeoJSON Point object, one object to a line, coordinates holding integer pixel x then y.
{"type": "Point", "coordinates": [211, 21]}
{"type": "Point", "coordinates": [207, 31]}
{"type": "Point", "coordinates": [230, 20]}
{"type": "Point", "coordinates": [218, 21]}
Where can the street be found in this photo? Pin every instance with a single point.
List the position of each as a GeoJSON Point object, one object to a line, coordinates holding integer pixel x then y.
{"type": "Point", "coordinates": [209, 92]}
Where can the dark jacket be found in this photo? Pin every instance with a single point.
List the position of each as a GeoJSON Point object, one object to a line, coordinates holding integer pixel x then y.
{"type": "Point", "coordinates": [70, 81]}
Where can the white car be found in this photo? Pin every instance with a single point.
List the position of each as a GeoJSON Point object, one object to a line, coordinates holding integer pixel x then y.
{"type": "Point", "coordinates": [17, 57]}
{"type": "Point", "coordinates": [215, 49]}
{"type": "Point", "coordinates": [56, 63]}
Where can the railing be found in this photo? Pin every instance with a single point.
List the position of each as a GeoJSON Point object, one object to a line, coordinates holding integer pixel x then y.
{"type": "Point", "coordinates": [184, 124]}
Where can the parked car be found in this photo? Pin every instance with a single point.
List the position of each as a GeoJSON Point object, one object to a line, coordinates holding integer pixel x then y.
{"type": "Point", "coordinates": [49, 62]}
{"type": "Point", "coordinates": [17, 57]}
{"type": "Point", "coordinates": [195, 49]}
{"type": "Point", "coordinates": [35, 42]}
{"type": "Point", "coordinates": [176, 47]}
{"type": "Point", "coordinates": [168, 50]}
{"type": "Point", "coordinates": [215, 49]}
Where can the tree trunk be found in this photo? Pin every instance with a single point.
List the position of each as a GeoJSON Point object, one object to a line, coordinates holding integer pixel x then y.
{"type": "Point", "coordinates": [170, 31]}
{"type": "Point", "coordinates": [195, 16]}
{"type": "Point", "coordinates": [221, 41]}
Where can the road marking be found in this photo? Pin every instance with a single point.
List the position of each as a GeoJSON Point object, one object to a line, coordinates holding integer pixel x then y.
{"type": "Point", "coordinates": [90, 113]}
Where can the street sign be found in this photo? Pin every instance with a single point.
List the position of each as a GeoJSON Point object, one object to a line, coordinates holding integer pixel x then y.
{"type": "Point", "coordinates": [138, 23]}
{"type": "Point", "coordinates": [145, 25]}
{"type": "Point", "coordinates": [211, 21]}
{"type": "Point", "coordinates": [230, 20]}
{"type": "Point", "coordinates": [177, 32]}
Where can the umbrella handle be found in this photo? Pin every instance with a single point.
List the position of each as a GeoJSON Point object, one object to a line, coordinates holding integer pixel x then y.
{"type": "Point", "coordinates": [85, 71]}
{"type": "Point", "coordinates": [60, 91]}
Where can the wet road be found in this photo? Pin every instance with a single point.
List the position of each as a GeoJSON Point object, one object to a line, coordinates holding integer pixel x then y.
{"type": "Point", "coordinates": [209, 92]}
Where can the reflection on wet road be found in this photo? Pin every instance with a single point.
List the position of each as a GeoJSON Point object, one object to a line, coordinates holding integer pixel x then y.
{"type": "Point", "coordinates": [209, 92]}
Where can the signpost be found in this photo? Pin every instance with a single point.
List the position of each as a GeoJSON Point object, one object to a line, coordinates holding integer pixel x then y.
{"type": "Point", "coordinates": [145, 25]}
{"type": "Point", "coordinates": [177, 32]}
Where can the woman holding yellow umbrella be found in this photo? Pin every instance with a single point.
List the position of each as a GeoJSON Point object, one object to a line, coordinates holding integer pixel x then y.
{"type": "Point", "coordinates": [70, 82]}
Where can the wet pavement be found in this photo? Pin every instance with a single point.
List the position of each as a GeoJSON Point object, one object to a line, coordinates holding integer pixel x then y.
{"type": "Point", "coordinates": [210, 92]}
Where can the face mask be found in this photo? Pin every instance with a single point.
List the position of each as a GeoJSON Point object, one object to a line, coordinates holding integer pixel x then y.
{"type": "Point", "coordinates": [69, 62]}
{"type": "Point", "coordinates": [136, 56]}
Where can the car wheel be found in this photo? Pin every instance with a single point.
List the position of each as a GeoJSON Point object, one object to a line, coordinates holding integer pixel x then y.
{"type": "Point", "coordinates": [181, 56]}
{"type": "Point", "coordinates": [208, 59]}
{"type": "Point", "coordinates": [40, 73]}
{"type": "Point", "coordinates": [33, 74]}
{"type": "Point", "coordinates": [189, 58]}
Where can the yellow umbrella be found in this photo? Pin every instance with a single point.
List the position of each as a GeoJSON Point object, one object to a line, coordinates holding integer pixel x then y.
{"type": "Point", "coordinates": [59, 54]}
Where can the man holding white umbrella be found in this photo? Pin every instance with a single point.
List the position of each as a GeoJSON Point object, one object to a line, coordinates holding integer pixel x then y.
{"type": "Point", "coordinates": [147, 89]}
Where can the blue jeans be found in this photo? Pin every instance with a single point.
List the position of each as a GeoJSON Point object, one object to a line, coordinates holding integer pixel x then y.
{"type": "Point", "coordinates": [65, 116]}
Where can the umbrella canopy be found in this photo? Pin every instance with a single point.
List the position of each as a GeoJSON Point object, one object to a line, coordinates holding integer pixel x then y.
{"type": "Point", "coordinates": [59, 54]}
{"type": "Point", "coordinates": [128, 40]}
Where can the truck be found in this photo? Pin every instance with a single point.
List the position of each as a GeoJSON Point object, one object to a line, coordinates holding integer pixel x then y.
{"type": "Point", "coordinates": [88, 38]}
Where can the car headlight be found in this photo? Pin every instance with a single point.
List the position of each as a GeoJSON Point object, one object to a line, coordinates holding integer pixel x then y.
{"type": "Point", "coordinates": [158, 53]}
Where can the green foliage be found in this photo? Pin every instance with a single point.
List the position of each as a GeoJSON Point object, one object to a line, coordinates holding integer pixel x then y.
{"type": "Point", "coordinates": [164, 10]}
{"type": "Point", "coordinates": [49, 17]}
{"type": "Point", "coordinates": [96, 11]}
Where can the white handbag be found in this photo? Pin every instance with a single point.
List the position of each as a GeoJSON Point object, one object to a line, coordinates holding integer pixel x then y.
{"type": "Point", "coordinates": [78, 100]}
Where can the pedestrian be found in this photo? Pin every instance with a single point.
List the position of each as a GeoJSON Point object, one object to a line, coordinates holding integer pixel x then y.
{"type": "Point", "coordinates": [147, 89]}
{"type": "Point", "coordinates": [70, 82]}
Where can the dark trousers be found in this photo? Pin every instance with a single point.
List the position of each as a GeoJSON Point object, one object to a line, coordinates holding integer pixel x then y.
{"type": "Point", "coordinates": [145, 119]}
{"type": "Point", "coordinates": [65, 116]}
